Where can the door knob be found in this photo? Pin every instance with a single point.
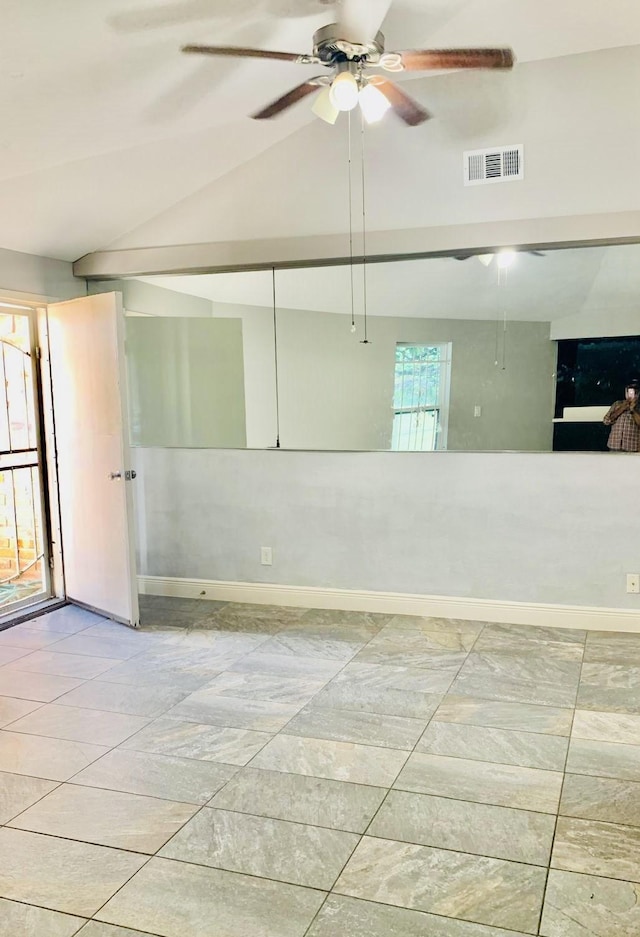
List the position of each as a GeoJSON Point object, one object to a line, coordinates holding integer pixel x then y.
{"type": "Point", "coordinates": [114, 475]}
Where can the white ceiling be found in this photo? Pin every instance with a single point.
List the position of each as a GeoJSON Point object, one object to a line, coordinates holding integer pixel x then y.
{"type": "Point", "coordinates": [562, 283]}
{"type": "Point", "coordinates": [105, 125]}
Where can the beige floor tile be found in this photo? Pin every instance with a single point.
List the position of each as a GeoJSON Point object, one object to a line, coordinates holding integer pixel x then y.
{"type": "Point", "coordinates": [452, 884]}
{"type": "Point", "coordinates": [597, 848]}
{"type": "Point", "coordinates": [25, 920]}
{"type": "Point", "coordinates": [13, 709]}
{"type": "Point", "coordinates": [18, 791]}
{"type": "Point", "coordinates": [95, 929]}
{"type": "Point", "coordinates": [338, 805]}
{"type": "Point", "coordinates": [201, 742]}
{"type": "Point", "coordinates": [208, 707]}
{"type": "Point", "coordinates": [121, 698]}
{"type": "Point", "coordinates": [349, 917]}
{"type": "Point", "coordinates": [590, 906]}
{"type": "Point", "coordinates": [62, 665]}
{"type": "Point", "coordinates": [53, 759]}
{"type": "Point", "coordinates": [501, 746]}
{"type": "Point", "coordinates": [60, 874]}
{"type": "Point", "coordinates": [80, 725]}
{"type": "Point", "coordinates": [481, 829]}
{"type": "Point", "coordinates": [525, 717]}
{"type": "Point", "coordinates": [339, 761]}
{"type": "Point", "coordinates": [9, 654]}
{"type": "Point", "coordinates": [107, 818]}
{"type": "Point", "coordinates": [26, 637]}
{"type": "Point", "coordinates": [275, 849]}
{"type": "Point", "coordinates": [482, 782]}
{"type": "Point", "coordinates": [42, 688]}
{"type": "Point", "coordinates": [609, 799]}
{"type": "Point", "coordinates": [173, 899]}
{"type": "Point", "coordinates": [166, 776]}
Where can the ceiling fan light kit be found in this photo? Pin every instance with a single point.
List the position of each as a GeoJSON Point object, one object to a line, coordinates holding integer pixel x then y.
{"type": "Point", "coordinates": [344, 91]}
{"type": "Point", "coordinates": [324, 108]}
{"type": "Point", "coordinates": [373, 104]}
{"type": "Point", "coordinates": [350, 83]}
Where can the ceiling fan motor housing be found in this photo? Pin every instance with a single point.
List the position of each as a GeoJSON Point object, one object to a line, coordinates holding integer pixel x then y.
{"type": "Point", "coordinates": [331, 48]}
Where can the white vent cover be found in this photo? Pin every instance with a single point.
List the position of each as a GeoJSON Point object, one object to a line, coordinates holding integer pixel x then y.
{"type": "Point", "coordinates": [496, 164]}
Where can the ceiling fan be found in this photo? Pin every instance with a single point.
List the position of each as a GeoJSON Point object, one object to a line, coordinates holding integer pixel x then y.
{"type": "Point", "coordinates": [349, 81]}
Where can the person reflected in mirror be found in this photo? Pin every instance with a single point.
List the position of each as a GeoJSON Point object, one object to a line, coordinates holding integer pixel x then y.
{"type": "Point", "coordinates": [624, 419]}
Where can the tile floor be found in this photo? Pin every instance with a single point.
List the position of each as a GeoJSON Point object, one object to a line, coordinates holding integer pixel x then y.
{"type": "Point", "coordinates": [252, 771]}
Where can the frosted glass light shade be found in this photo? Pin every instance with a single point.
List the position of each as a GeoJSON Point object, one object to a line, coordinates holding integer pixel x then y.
{"type": "Point", "coordinates": [373, 103]}
{"type": "Point", "coordinates": [323, 107]}
{"type": "Point", "coordinates": [344, 92]}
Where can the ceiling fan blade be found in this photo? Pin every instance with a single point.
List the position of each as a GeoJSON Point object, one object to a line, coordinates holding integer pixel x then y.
{"type": "Point", "coordinates": [291, 97]}
{"type": "Point", "coordinates": [405, 106]}
{"type": "Point", "coordinates": [360, 20]}
{"type": "Point", "coordinates": [241, 52]}
{"type": "Point", "coordinates": [425, 59]}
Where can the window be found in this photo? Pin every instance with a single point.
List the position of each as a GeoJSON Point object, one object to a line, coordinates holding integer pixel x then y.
{"type": "Point", "coordinates": [421, 396]}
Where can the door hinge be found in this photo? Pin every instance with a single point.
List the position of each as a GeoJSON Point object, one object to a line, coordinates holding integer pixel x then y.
{"type": "Point", "coordinates": [38, 351]}
{"type": "Point", "coordinates": [51, 562]}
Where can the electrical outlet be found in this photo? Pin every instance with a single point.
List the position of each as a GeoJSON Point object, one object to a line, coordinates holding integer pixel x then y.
{"type": "Point", "coordinates": [266, 556]}
{"type": "Point", "coordinates": [633, 582]}
{"type": "Point", "coordinates": [477, 410]}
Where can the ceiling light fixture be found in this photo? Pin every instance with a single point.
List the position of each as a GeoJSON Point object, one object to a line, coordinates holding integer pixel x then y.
{"type": "Point", "coordinates": [344, 91]}
{"type": "Point", "coordinates": [506, 258]}
{"type": "Point", "coordinates": [324, 108]}
{"type": "Point", "coordinates": [373, 104]}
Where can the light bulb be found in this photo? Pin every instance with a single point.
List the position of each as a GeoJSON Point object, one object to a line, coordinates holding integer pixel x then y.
{"type": "Point", "coordinates": [353, 328]}
{"type": "Point", "coordinates": [505, 259]}
{"type": "Point", "coordinates": [485, 259]}
{"type": "Point", "coordinates": [344, 92]}
{"type": "Point", "coordinates": [324, 108]}
{"type": "Point", "coordinates": [373, 103]}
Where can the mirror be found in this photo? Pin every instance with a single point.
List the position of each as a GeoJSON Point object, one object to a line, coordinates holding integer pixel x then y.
{"type": "Point", "coordinates": [519, 350]}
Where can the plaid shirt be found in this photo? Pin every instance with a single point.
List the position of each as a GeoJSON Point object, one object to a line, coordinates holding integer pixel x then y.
{"type": "Point", "coordinates": [625, 432]}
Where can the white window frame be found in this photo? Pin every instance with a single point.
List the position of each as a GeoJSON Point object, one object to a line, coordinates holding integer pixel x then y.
{"type": "Point", "coordinates": [442, 405]}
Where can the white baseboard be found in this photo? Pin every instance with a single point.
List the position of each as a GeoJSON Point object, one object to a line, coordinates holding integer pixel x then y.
{"type": "Point", "coordinates": [396, 603]}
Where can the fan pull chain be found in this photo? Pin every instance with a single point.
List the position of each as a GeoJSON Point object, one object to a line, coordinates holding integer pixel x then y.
{"type": "Point", "coordinates": [353, 318]}
{"type": "Point", "coordinates": [275, 356]}
{"type": "Point", "coordinates": [364, 233]}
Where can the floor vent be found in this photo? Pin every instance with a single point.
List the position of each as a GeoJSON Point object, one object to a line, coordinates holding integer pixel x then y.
{"type": "Point", "coordinates": [496, 164]}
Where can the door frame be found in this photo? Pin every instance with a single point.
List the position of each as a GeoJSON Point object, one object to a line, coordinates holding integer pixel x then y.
{"type": "Point", "coordinates": [53, 582]}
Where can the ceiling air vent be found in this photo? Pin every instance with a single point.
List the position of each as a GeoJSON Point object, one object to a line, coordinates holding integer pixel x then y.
{"type": "Point", "coordinates": [496, 164]}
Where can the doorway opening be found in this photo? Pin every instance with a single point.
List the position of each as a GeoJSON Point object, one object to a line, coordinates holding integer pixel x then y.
{"type": "Point", "coordinates": [25, 550]}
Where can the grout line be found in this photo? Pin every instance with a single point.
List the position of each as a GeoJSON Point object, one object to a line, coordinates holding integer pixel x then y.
{"type": "Point", "coordinates": [422, 793]}
{"type": "Point", "coordinates": [57, 784]}
{"type": "Point", "coordinates": [58, 738]}
{"type": "Point", "coordinates": [7, 725]}
{"type": "Point", "coordinates": [557, 816]}
{"type": "Point", "coordinates": [41, 907]}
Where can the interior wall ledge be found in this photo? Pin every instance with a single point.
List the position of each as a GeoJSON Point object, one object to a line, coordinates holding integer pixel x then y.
{"type": "Point", "coordinates": [226, 256]}
{"type": "Point", "coordinates": [591, 618]}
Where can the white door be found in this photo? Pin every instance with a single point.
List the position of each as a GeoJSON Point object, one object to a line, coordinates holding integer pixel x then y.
{"type": "Point", "coordinates": [88, 378]}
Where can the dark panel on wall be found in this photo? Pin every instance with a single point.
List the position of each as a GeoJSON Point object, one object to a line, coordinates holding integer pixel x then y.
{"type": "Point", "coordinates": [592, 372]}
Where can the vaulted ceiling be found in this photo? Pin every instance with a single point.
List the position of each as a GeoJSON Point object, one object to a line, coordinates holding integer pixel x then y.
{"type": "Point", "coordinates": [110, 135]}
